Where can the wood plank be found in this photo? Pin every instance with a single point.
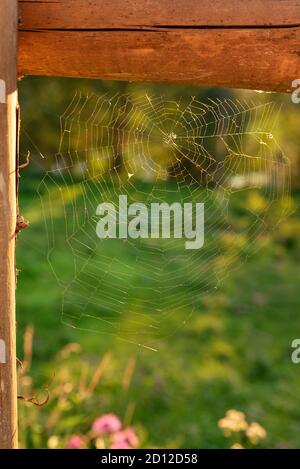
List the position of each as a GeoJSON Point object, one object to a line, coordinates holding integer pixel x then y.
{"type": "Point", "coordinates": [83, 14]}
{"type": "Point", "coordinates": [8, 138]}
{"type": "Point", "coordinates": [266, 59]}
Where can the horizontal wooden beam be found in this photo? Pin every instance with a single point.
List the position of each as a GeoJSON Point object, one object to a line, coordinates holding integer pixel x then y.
{"type": "Point", "coordinates": [86, 14]}
{"type": "Point", "coordinates": [251, 44]}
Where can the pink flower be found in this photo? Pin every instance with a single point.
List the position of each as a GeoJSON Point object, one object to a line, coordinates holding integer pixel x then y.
{"type": "Point", "coordinates": [108, 423]}
{"type": "Point", "coordinates": [76, 442]}
{"type": "Point", "coordinates": [125, 439]}
{"type": "Point", "coordinates": [120, 445]}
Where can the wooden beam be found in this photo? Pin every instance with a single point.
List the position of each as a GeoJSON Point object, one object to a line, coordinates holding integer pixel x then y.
{"type": "Point", "coordinates": [254, 44]}
{"type": "Point", "coordinates": [229, 58]}
{"type": "Point", "coordinates": [139, 14]}
{"type": "Point", "coordinates": [8, 139]}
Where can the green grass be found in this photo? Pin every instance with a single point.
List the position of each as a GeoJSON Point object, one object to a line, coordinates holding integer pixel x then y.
{"type": "Point", "coordinates": [233, 352]}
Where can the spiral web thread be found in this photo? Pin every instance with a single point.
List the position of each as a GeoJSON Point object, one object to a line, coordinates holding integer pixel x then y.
{"type": "Point", "coordinates": [220, 152]}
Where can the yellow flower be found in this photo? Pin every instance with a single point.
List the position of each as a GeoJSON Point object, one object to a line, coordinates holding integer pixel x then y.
{"type": "Point", "coordinates": [99, 443]}
{"type": "Point", "coordinates": [53, 442]}
{"type": "Point", "coordinates": [255, 432]}
{"type": "Point", "coordinates": [237, 446]}
{"type": "Point", "coordinates": [234, 421]}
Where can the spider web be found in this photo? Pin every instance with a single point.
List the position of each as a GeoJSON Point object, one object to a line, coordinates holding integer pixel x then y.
{"type": "Point", "coordinates": [220, 152]}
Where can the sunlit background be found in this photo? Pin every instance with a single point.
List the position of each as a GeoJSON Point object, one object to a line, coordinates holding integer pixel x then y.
{"type": "Point", "coordinates": [165, 340]}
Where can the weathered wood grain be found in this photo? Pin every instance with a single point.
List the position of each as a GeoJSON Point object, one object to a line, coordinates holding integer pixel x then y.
{"type": "Point", "coordinates": [255, 59]}
{"type": "Point", "coordinates": [235, 43]}
{"type": "Point", "coordinates": [87, 14]}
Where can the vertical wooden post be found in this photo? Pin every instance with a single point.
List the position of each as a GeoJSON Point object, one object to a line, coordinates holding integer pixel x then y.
{"type": "Point", "coordinates": [8, 148]}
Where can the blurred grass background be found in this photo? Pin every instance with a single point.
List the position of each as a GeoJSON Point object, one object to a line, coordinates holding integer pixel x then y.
{"type": "Point", "coordinates": [234, 353]}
